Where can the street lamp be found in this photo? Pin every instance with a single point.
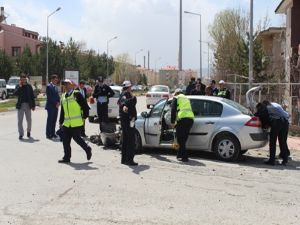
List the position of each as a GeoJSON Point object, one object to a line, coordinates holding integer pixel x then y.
{"type": "Point", "coordinates": [198, 14]}
{"type": "Point", "coordinates": [251, 46]}
{"type": "Point", "coordinates": [47, 49]}
{"type": "Point", "coordinates": [136, 54]}
{"type": "Point", "coordinates": [107, 73]}
{"type": "Point", "coordinates": [208, 56]}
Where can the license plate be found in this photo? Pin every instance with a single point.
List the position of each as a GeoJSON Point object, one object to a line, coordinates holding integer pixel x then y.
{"type": "Point", "coordinates": [156, 96]}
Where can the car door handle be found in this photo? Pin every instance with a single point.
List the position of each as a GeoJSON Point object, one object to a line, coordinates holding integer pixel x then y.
{"type": "Point", "coordinates": [210, 122]}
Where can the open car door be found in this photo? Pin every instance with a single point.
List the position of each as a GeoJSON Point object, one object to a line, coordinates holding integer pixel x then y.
{"type": "Point", "coordinates": [153, 124]}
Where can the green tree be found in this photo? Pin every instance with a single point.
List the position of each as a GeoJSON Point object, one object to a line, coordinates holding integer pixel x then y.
{"type": "Point", "coordinates": [71, 55]}
{"type": "Point", "coordinates": [6, 68]}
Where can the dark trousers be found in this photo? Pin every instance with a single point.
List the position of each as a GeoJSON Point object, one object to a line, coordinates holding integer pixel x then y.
{"type": "Point", "coordinates": [68, 134]}
{"type": "Point", "coordinates": [279, 130]}
{"type": "Point", "coordinates": [183, 128]}
{"type": "Point", "coordinates": [51, 121]}
{"type": "Point", "coordinates": [102, 111]}
{"type": "Point", "coordinates": [128, 141]}
{"type": "Point", "coordinates": [83, 128]}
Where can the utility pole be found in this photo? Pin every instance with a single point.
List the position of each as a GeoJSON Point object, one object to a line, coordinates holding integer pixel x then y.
{"type": "Point", "coordinates": [180, 38]}
{"type": "Point", "coordinates": [148, 60]}
{"type": "Point", "coordinates": [144, 62]}
{"type": "Point", "coordinates": [251, 46]}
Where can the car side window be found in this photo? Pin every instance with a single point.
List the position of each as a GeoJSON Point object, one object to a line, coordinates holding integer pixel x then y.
{"type": "Point", "coordinates": [204, 108]}
{"type": "Point", "coordinates": [157, 109]}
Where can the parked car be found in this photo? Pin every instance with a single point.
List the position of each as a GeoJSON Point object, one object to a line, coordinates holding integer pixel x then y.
{"type": "Point", "coordinates": [3, 91]}
{"type": "Point", "coordinates": [156, 93]}
{"type": "Point", "coordinates": [113, 108]}
{"type": "Point", "coordinates": [221, 126]}
{"type": "Point", "coordinates": [11, 85]}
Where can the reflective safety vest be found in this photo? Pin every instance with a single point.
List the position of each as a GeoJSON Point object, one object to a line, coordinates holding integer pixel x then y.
{"type": "Point", "coordinates": [222, 93]}
{"type": "Point", "coordinates": [72, 111]}
{"type": "Point", "coordinates": [184, 108]}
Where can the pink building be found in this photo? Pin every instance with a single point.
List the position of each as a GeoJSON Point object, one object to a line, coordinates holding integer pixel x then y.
{"type": "Point", "coordinates": [14, 39]}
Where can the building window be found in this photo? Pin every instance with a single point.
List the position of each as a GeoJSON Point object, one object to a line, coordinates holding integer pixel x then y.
{"type": "Point", "coordinates": [16, 51]}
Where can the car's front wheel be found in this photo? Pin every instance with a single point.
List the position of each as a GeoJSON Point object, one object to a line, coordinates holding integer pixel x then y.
{"type": "Point", "coordinates": [226, 147]}
{"type": "Point", "coordinates": [3, 96]}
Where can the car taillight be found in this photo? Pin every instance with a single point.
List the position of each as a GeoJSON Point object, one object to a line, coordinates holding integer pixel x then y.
{"type": "Point", "coordinates": [148, 95]}
{"type": "Point", "coordinates": [253, 122]}
{"type": "Point", "coordinates": [165, 96]}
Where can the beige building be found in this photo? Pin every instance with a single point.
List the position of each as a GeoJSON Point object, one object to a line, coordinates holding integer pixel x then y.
{"type": "Point", "coordinates": [273, 44]}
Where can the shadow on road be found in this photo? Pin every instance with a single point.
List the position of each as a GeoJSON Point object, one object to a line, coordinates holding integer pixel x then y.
{"type": "Point", "coordinates": [30, 140]}
{"type": "Point", "coordinates": [82, 166]}
{"type": "Point", "coordinates": [245, 160]}
{"type": "Point", "coordinates": [140, 168]}
{"type": "Point", "coordinates": [258, 162]}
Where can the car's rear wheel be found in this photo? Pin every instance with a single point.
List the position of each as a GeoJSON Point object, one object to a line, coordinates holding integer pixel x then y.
{"type": "Point", "coordinates": [226, 147]}
{"type": "Point", "coordinates": [138, 143]}
{"type": "Point", "coordinates": [91, 119]}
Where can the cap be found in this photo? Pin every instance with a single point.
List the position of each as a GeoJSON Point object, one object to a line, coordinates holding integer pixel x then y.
{"type": "Point", "coordinates": [177, 91]}
{"type": "Point", "coordinates": [67, 81]}
{"type": "Point", "coordinates": [221, 82]}
{"type": "Point", "coordinates": [126, 83]}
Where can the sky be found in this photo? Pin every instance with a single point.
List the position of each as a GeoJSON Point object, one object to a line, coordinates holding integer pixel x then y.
{"type": "Point", "coordinates": [139, 24]}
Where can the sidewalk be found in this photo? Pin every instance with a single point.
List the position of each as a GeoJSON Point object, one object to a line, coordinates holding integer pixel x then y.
{"type": "Point", "coordinates": [294, 143]}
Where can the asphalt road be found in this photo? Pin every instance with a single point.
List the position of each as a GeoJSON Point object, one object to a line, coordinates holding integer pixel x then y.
{"type": "Point", "coordinates": [36, 190]}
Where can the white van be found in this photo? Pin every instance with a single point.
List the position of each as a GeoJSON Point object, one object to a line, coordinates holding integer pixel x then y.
{"type": "Point", "coordinates": [3, 91]}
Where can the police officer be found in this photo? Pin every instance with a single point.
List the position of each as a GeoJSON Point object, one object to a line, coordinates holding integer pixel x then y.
{"type": "Point", "coordinates": [182, 112]}
{"type": "Point", "coordinates": [223, 91]}
{"type": "Point", "coordinates": [128, 115]}
{"type": "Point", "coordinates": [74, 109]}
{"type": "Point", "coordinates": [102, 93]}
{"type": "Point", "coordinates": [279, 129]}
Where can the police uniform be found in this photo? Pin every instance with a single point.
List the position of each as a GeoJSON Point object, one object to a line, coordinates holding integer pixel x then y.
{"type": "Point", "coordinates": [127, 123]}
{"type": "Point", "coordinates": [182, 112]}
{"type": "Point", "coordinates": [279, 130]}
{"type": "Point", "coordinates": [102, 93]}
{"type": "Point", "coordinates": [224, 93]}
{"type": "Point", "coordinates": [74, 110]}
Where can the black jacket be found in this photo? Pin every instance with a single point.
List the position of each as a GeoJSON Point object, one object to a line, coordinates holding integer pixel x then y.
{"type": "Point", "coordinates": [263, 115]}
{"type": "Point", "coordinates": [25, 95]}
{"type": "Point", "coordinates": [128, 100]}
{"type": "Point", "coordinates": [105, 90]}
{"type": "Point", "coordinates": [83, 104]}
{"type": "Point", "coordinates": [190, 87]}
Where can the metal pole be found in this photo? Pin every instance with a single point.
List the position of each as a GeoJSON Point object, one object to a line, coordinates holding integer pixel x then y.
{"type": "Point", "coordinates": [251, 46]}
{"type": "Point", "coordinates": [200, 48]}
{"type": "Point", "coordinates": [47, 45]}
{"type": "Point", "coordinates": [180, 38]}
{"type": "Point", "coordinates": [47, 53]}
{"type": "Point", "coordinates": [208, 73]}
{"type": "Point", "coordinates": [107, 59]}
{"type": "Point", "coordinates": [148, 60]}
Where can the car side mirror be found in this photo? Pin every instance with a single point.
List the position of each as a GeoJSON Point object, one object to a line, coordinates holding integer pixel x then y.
{"type": "Point", "coordinates": [151, 106]}
{"type": "Point", "coordinates": [144, 114]}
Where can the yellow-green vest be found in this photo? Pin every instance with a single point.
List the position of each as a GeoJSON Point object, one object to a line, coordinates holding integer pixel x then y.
{"type": "Point", "coordinates": [222, 93]}
{"type": "Point", "coordinates": [184, 108]}
{"type": "Point", "coordinates": [72, 110]}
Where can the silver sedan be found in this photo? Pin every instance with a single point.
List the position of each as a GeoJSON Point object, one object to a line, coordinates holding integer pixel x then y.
{"type": "Point", "coordinates": [221, 126]}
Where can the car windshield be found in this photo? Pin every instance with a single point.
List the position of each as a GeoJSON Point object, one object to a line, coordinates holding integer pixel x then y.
{"type": "Point", "coordinates": [159, 89]}
{"type": "Point", "coordinates": [237, 106]}
{"type": "Point", "coordinates": [13, 81]}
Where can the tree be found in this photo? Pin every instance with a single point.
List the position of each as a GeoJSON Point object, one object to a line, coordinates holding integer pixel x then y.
{"type": "Point", "coordinates": [25, 62]}
{"type": "Point", "coordinates": [6, 68]}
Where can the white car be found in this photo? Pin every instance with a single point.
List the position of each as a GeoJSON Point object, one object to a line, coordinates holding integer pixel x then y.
{"type": "Point", "coordinates": [3, 91]}
{"type": "Point", "coordinates": [113, 108]}
{"type": "Point", "coordinates": [157, 93]}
